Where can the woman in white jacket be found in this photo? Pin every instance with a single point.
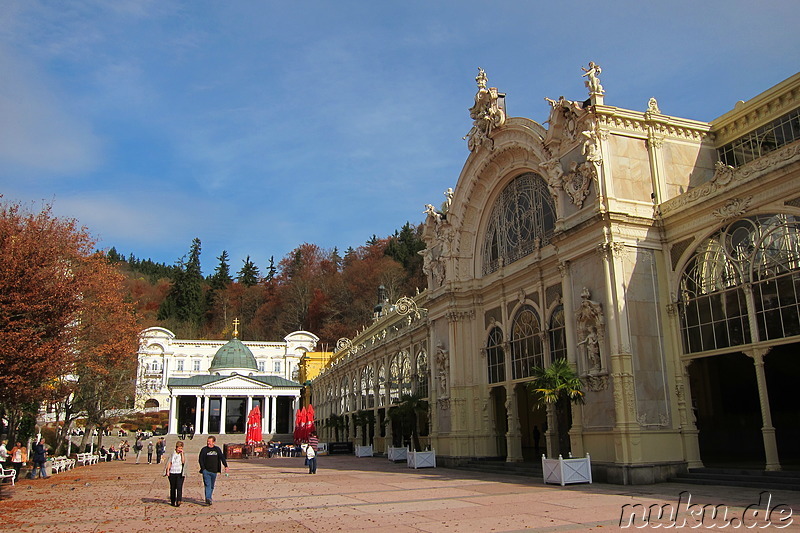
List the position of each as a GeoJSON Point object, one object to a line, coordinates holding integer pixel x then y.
{"type": "Point", "coordinates": [175, 470]}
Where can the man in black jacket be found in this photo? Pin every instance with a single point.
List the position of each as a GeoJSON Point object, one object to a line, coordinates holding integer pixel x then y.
{"type": "Point", "coordinates": [39, 459]}
{"type": "Point", "coordinates": [211, 461]}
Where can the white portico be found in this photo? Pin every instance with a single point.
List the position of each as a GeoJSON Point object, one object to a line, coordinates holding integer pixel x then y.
{"type": "Point", "coordinates": [220, 404]}
{"type": "Point", "coordinates": [220, 401]}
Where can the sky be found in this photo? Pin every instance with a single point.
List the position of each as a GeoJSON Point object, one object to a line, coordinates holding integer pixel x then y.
{"type": "Point", "coordinates": [257, 126]}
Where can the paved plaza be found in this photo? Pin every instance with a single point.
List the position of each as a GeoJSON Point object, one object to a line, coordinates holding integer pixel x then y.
{"type": "Point", "coordinates": [346, 495]}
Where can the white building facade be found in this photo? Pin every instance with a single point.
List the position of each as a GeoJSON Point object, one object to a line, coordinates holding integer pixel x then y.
{"type": "Point", "coordinates": [196, 382]}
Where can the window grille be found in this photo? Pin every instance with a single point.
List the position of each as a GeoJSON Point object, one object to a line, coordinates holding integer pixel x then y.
{"type": "Point", "coordinates": [522, 219]}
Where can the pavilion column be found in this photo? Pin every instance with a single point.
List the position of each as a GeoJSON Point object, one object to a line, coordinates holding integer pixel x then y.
{"type": "Point", "coordinates": [205, 415]}
{"type": "Point", "coordinates": [173, 410]}
{"type": "Point", "coordinates": [273, 419]}
{"type": "Point", "coordinates": [513, 435]}
{"type": "Point", "coordinates": [249, 404]}
{"type": "Point", "coordinates": [222, 414]}
{"type": "Point", "coordinates": [264, 415]}
{"type": "Point", "coordinates": [197, 409]}
{"type": "Point", "coordinates": [576, 431]}
{"type": "Point", "coordinates": [767, 429]}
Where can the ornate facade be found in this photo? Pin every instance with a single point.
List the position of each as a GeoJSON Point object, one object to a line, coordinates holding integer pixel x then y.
{"type": "Point", "coordinates": [659, 255]}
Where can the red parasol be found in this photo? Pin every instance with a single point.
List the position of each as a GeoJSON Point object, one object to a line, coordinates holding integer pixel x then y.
{"type": "Point", "coordinates": [311, 426]}
{"type": "Point", "coordinates": [254, 426]}
{"type": "Point", "coordinates": [298, 425]}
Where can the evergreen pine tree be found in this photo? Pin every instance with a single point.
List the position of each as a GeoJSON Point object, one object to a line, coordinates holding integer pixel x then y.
{"type": "Point", "coordinates": [222, 274]}
{"type": "Point", "coordinates": [249, 274]}
{"type": "Point", "coordinates": [271, 270]}
{"type": "Point", "coordinates": [185, 299]}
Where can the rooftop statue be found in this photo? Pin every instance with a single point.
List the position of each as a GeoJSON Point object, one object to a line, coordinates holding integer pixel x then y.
{"type": "Point", "coordinates": [487, 115]}
{"type": "Point", "coordinates": [592, 79]}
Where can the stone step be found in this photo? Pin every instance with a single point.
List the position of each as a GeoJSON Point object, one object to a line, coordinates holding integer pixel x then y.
{"type": "Point", "coordinates": [735, 477]}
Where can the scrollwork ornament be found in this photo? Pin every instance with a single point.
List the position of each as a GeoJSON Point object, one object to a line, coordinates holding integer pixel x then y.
{"type": "Point", "coordinates": [344, 344]}
{"type": "Point", "coordinates": [407, 306]}
{"type": "Point", "coordinates": [733, 208]}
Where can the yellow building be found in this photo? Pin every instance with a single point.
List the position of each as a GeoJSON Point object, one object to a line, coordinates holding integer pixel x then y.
{"type": "Point", "coordinates": [658, 255]}
{"type": "Point", "coordinates": [309, 367]}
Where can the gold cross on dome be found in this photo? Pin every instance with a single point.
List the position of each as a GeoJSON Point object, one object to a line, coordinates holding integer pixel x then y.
{"type": "Point", "coordinates": [236, 327]}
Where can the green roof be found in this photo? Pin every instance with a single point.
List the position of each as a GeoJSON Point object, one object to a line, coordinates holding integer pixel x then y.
{"type": "Point", "coordinates": [234, 355]}
{"type": "Point", "coordinates": [205, 379]}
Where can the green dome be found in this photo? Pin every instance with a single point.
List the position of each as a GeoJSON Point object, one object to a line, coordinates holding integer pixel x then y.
{"type": "Point", "coordinates": [234, 355]}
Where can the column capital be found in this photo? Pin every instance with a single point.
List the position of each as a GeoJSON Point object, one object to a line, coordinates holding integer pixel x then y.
{"type": "Point", "coordinates": [757, 354]}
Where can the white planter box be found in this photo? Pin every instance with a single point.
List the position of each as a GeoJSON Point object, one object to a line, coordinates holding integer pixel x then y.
{"type": "Point", "coordinates": [422, 459]}
{"type": "Point", "coordinates": [397, 454]}
{"type": "Point", "coordinates": [364, 451]}
{"type": "Point", "coordinates": [562, 471]}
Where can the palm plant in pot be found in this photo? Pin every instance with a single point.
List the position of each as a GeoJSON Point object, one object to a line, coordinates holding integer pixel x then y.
{"type": "Point", "coordinates": [407, 413]}
{"type": "Point", "coordinates": [560, 386]}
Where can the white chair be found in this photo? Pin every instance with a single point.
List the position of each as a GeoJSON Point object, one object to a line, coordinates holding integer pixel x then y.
{"type": "Point", "coordinates": [8, 473]}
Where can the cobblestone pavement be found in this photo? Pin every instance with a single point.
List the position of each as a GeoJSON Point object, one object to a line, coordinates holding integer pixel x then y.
{"type": "Point", "coordinates": [356, 495]}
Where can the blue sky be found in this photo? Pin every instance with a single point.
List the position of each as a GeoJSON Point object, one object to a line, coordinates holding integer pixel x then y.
{"type": "Point", "coordinates": [259, 125]}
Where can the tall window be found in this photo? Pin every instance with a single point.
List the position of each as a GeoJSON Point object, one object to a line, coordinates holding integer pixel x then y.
{"type": "Point", "coordinates": [557, 336]}
{"type": "Point", "coordinates": [369, 380]}
{"type": "Point", "coordinates": [394, 379]}
{"type": "Point", "coordinates": [179, 365]}
{"type": "Point", "coordinates": [526, 343]}
{"type": "Point", "coordinates": [522, 219]}
{"type": "Point", "coordinates": [495, 356]}
{"type": "Point", "coordinates": [405, 373]}
{"type": "Point", "coordinates": [196, 365]}
{"type": "Point", "coordinates": [381, 385]}
{"type": "Point", "coordinates": [422, 374]}
{"type": "Point", "coordinates": [760, 254]}
{"type": "Point", "coordinates": [276, 367]}
{"type": "Point", "coordinates": [261, 366]}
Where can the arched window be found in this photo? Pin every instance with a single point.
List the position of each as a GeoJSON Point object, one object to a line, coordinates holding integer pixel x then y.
{"type": "Point", "coordinates": [522, 219]}
{"type": "Point", "coordinates": [495, 356]}
{"type": "Point", "coordinates": [526, 343]}
{"type": "Point", "coordinates": [422, 374]}
{"type": "Point", "coordinates": [556, 335]}
{"type": "Point", "coordinates": [762, 250]}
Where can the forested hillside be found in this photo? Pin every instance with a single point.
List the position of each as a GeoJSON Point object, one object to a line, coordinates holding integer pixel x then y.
{"type": "Point", "coordinates": [322, 291]}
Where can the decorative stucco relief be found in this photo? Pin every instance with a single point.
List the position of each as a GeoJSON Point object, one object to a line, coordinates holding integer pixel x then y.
{"type": "Point", "coordinates": [442, 370]}
{"type": "Point", "coordinates": [576, 182]}
{"type": "Point", "coordinates": [733, 208]}
{"type": "Point", "coordinates": [591, 330]}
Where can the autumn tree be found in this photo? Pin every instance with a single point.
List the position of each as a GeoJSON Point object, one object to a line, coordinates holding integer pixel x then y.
{"type": "Point", "coordinates": [48, 272]}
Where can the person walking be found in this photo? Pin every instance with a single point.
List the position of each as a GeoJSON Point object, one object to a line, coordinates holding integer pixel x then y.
{"type": "Point", "coordinates": [311, 459]}
{"type": "Point", "coordinates": [211, 461]}
{"type": "Point", "coordinates": [175, 470]}
{"type": "Point", "coordinates": [161, 449]}
{"type": "Point", "coordinates": [39, 458]}
{"type": "Point", "coordinates": [3, 453]}
{"type": "Point", "coordinates": [137, 448]}
{"type": "Point", "coordinates": [150, 449]}
{"type": "Point", "coordinates": [191, 431]}
{"type": "Point", "coordinates": [19, 456]}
